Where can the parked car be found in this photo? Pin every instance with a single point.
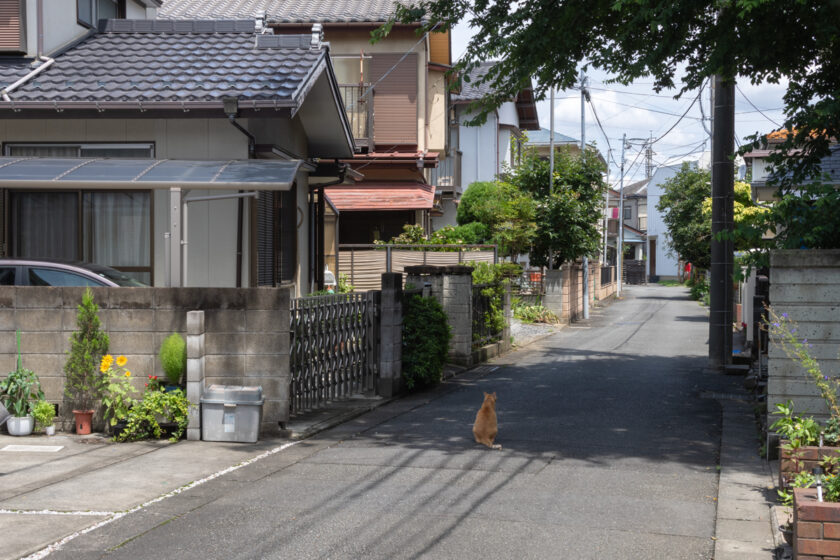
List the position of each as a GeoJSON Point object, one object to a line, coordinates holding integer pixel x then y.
{"type": "Point", "coordinates": [35, 272]}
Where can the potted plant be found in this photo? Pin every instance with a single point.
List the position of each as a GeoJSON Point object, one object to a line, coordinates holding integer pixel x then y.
{"type": "Point", "coordinates": [173, 359]}
{"type": "Point", "coordinates": [17, 393]}
{"type": "Point", "coordinates": [44, 413]}
{"type": "Point", "coordinates": [84, 381]}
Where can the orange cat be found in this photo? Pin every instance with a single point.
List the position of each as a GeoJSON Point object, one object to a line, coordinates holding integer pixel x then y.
{"type": "Point", "coordinates": [485, 428]}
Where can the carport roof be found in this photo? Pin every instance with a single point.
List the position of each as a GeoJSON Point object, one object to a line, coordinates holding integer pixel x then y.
{"type": "Point", "coordinates": [107, 173]}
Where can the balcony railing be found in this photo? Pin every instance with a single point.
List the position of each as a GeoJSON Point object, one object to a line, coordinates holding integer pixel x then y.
{"type": "Point", "coordinates": [446, 177]}
{"type": "Point", "coordinates": [359, 112]}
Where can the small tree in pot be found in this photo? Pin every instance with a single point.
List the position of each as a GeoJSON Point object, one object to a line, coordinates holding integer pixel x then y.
{"type": "Point", "coordinates": [84, 382]}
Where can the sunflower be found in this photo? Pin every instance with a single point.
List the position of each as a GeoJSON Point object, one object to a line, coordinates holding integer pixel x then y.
{"type": "Point", "coordinates": [106, 362]}
{"type": "Point", "coordinates": [121, 360]}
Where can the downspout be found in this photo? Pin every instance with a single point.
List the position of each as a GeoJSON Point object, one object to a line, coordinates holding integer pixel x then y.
{"type": "Point", "coordinates": [46, 61]}
{"type": "Point", "coordinates": [240, 204]}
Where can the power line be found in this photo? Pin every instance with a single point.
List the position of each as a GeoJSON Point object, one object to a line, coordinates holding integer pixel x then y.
{"type": "Point", "coordinates": [678, 120]}
{"type": "Point", "coordinates": [756, 108]}
{"type": "Point", "coordinates": [648, 109]}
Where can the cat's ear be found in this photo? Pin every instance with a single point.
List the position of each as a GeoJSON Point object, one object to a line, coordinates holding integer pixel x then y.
{"type": "Point", "coordinates": [486, 395]}
{"type": "Point", "coordinates": [494, 394]}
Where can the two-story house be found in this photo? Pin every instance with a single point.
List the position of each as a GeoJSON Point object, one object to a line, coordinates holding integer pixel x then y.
{"type": "Point", "coordinates": [179, 152]}
{"type": "Point", "coordinates": [480, 152]}
{"type": "Point", "coordinates": [395, 95]}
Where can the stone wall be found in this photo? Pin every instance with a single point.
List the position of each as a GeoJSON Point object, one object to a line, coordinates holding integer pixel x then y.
{"type": "Point", "coordinates": [806, 286]}
{"type": "Point", "coordinates": [564, 290]}
{"type": "Point", "coordinates": [246, 338]}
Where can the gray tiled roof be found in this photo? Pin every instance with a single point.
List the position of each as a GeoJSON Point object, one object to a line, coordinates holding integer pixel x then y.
{"type": "Point", "coordinates": [471, 90]}
{"type": "Point", "coordinates": [161, 63]}
{"type": "Point", "coordinates": [281, 11]}
{"type": "Point", "coordinates": [543, 136]}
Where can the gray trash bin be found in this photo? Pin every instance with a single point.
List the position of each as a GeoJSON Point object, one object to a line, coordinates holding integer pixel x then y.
{"type": "Point", "coordinates": [231, 413]}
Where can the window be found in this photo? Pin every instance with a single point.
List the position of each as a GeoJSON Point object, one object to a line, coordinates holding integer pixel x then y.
{"type": "Point", "coordinates": [13, 26]}
{"type": "Point", "coordinates": [7, 276]}
{"type": "Point", "coordinates": [52, 277]}
{"type": "Point", "coordinates": [103, 227]}
{"type": "Point", "coordinates": [628, 212]}
{"type": "Point", "coordinates": [115, 150]}
{"type": "Point", "coordinates": [89, 12]}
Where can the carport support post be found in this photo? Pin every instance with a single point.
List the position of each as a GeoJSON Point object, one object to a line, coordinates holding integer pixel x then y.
{"type": "Point", "coordinates": [390, 335]}
{"type": "Point", "coordinates": [175, 235]}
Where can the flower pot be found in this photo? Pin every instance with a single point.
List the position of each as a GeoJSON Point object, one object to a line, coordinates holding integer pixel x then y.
{"type": "Point", "coordinates": [50, 430]}
{"type": "Point", "coordinates": [20, 425]}
{"type": "Point", "coordinates": [83, 421]}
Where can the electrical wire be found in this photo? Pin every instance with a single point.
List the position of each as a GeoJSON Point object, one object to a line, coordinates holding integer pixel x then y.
{"type": "Point", "coordinates": [678, 120]}
{"type": "Point", "coordinates": [756, 108]}
{"type": "Point", "coordinates": [648, 109]}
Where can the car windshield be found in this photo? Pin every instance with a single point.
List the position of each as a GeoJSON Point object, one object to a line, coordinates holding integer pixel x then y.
{"type": "Point", "coordinates": [115, 276]}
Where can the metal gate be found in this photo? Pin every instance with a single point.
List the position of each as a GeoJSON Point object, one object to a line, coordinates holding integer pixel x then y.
{"type": "Point", "coordinates": [334, 348]}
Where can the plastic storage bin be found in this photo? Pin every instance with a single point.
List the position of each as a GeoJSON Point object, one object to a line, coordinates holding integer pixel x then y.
{"type": "Point", "coordinates": [231, 413]}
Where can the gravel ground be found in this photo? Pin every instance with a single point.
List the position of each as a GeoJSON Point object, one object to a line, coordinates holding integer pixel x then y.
{"type": "Point", "coordinates": [525, 333]}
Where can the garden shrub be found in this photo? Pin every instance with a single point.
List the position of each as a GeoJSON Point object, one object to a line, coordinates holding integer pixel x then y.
{"type": "Point", "coordinates": [84, 382]}
{"type": "Point", "coordinates": [425, 342]}
{"type": "Point", "coordinates": [173, 357]}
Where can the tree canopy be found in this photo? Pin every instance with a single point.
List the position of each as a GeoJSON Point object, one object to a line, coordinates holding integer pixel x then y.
{"type": "Point", "coordinates": [567, 213]}
{"type": "Point", "coordinates": [677, 44]}
{"type": "Point", "coordinates": [505, 211]}
{"type": "Point", "coordinates": [689, 228]}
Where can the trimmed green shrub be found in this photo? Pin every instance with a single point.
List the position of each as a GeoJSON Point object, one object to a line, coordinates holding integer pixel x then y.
{"type": "Point", "coordinates": [425, 342]}
{"type": "Point", "coordinates": [173, 357]}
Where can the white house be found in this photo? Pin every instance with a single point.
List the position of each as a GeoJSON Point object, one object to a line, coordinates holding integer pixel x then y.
{"type": "Point", "coordinates": [485, 149]}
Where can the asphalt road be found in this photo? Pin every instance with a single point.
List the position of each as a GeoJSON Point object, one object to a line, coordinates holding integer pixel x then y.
{"type": "Point", "coordinates": [610, 452]}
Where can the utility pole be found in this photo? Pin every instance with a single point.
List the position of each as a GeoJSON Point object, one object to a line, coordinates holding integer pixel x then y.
{"type": "Point", "coordinates": [551, 161]}
{"type": "Point", "coordinates": [583, 97]}
{"type": "Point", "coordinates": [649, 158]}
{"type": "Point", "coordinates": [619, 257]}
{"type": "Point", "coordinates": [723, 187]}
{"type": "Point", "coordinates": [607, 206]}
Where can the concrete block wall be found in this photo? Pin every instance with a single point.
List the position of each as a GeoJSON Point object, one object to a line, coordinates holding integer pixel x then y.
{"type": "Point", "coordinates": [246, 334]}
{"type": "Point", "coordinates": [806, 286]}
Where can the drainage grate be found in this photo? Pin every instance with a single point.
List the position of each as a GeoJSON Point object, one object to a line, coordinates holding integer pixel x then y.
{"type": "Point", "coordinates": [723, 396]}
{"type": "Point", "coordinates": [33, 448]}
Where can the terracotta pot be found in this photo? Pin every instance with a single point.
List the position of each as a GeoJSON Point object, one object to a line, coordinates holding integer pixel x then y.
{"type": "Point", "coordinates": [83, 421]}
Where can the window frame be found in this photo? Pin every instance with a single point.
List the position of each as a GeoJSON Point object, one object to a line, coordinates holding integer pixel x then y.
{"type": "Point", "coordinates": [94, 12]}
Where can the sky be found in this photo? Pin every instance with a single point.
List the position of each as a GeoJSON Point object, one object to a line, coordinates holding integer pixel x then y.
{"type": "Point", "coordinates": [640, 113]}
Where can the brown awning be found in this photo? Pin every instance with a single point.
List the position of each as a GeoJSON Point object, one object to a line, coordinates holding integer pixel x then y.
{"type": "Point", "coordinates": [382, 195]}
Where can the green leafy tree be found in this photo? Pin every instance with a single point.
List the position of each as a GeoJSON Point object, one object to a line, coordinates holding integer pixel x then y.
{"type": "Point", "coordinates": [689, 228]}
{"type": "Point", "coordinates": [84, 382]}
{"type": "Point", "coordinates": [674, 44]}
{"type": "Point", "coordinates": [568, 213]}
{"type": "Point", "coordinates": [507, 213]}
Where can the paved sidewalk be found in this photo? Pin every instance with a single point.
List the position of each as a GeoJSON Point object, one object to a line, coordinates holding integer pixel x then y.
{"type": "Point", "coordinates": [746, 493]}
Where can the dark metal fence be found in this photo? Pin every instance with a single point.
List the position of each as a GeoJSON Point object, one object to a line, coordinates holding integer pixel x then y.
{"type": "Point", "coordinates": [486, 306]}
{"type": "Point", "coordinates": [607, 275]}
{"type": "Point", "coordinates": [334, 352]}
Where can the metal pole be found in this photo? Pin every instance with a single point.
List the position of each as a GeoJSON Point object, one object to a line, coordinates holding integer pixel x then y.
{"type": "Point", "coordinates": [582, 159]}
{"type": "Point", "coordinates": [175, 236]}
{"type": "Point", "coordinates": [551, 161]}
{"type": "Point", "coordinates": [620, 238]}
{"type": "Point", "coordinates": [723, 186]}
{"type": "Point", "coordinates": [607, 206]}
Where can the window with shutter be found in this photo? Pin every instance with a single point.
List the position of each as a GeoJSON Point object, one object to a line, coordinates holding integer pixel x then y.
{"type": "Point", "coordinates": [394, 99]}
{"type": "Point", "coordinates": [12, 26]}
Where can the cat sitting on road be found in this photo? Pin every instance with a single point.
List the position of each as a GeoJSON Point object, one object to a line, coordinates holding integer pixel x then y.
{"type": "Point", "coordinates": [485, 427]}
